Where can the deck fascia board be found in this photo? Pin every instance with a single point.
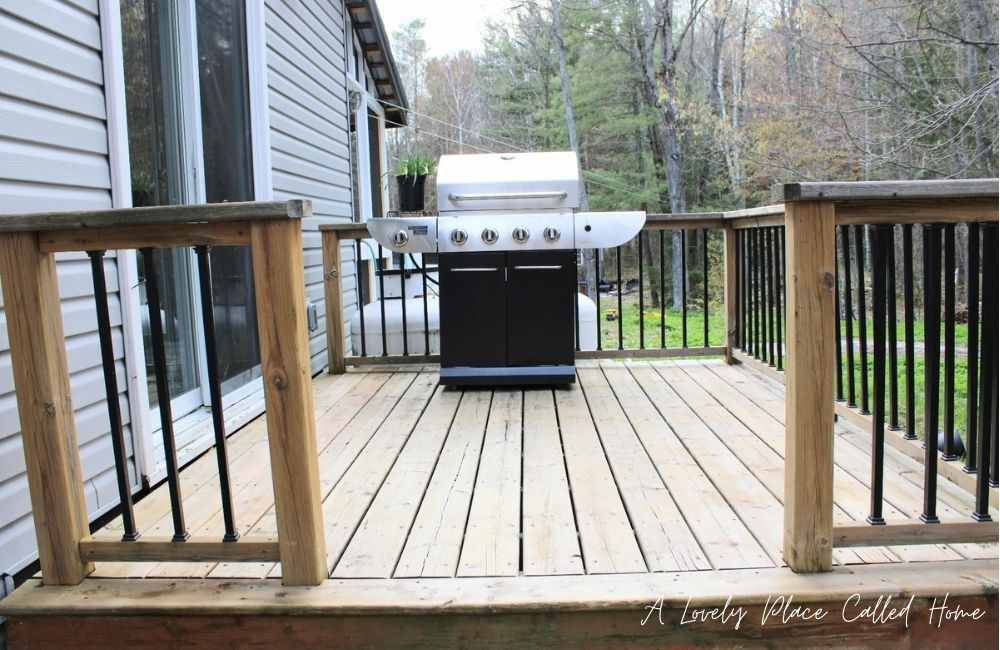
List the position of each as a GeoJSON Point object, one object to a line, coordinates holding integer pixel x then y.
{"type": "Point", "coordinates": [120, 597]}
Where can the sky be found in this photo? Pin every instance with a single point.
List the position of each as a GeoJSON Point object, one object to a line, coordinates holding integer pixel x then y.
{"type": "Point", "coordinates": [452, 25]}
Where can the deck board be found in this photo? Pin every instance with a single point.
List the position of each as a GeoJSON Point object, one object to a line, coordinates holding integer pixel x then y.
{"type": "Point", "coordinates": [432, 549]}
{"type": "Point", "coordinates": [346, 504]}
{"type": "Point", "coordinates": [492, 533]}
{"type": "Point", "coordinates": [375, 547]}
{"type": "Point", "coordinates": [607, 540]}
{"type": "Point", "coordinates": [666, 541]}
{"type": "Point", "coordinates": [724, 538]}
{"type": "Point", "coordinates": [645, 466]}
{"type": "Point", "coordinates": [550, 542]}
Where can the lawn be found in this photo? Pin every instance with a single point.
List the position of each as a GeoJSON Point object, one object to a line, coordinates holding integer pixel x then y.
{"type": "Point", "coordinates": [672, 338]}
{"type": "Point", "coordinates": [672, 325]}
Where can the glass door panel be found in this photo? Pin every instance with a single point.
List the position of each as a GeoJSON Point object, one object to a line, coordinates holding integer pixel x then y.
{"type": "Point", "coordinates": [225, 114]}
{"type": "Point", "coordinates": [156, 131]}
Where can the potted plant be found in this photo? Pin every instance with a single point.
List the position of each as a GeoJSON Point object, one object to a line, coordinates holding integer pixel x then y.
{"type": "Point", "coordinates": [411, 172]}
{"type": "Point", "coordinates": [143, 189]}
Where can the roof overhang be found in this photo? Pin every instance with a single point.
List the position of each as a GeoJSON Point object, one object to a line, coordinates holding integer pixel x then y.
{"type": "Point", "coordinates": [374, 40]}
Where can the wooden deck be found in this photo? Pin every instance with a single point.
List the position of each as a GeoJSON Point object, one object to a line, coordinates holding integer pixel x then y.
{"type": "Point", "coordinates": [646, 466]}
{"type": "Point", "coordinates": [590, 516]}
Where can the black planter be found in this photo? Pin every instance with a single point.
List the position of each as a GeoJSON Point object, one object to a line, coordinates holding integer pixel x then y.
{"type": "Point", "coordinates": [411, 193]}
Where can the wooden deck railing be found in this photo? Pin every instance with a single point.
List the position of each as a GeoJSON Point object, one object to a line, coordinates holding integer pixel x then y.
{"type": "Point", "coordinates": [814, 359]}
{"type": "Point", "coordinates": [34, 323]}
{"type": "Point", "coordinates": [652, 330]}
{"type": "Point", "coordinates": [781, 313]}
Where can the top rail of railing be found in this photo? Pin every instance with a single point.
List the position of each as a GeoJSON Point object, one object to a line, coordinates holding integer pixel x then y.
{"type": "Point", "coordinates": [900, 202]}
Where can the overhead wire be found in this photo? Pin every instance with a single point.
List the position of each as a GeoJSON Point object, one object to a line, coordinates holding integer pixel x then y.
{"type": "Point", "coordinates": [616, 186]}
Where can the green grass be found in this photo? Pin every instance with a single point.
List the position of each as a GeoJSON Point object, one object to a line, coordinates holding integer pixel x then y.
{"type": "Point", "coordinates": [961, 391]}
{"type": "Point", "coordinates": [961, 331]}
{"type": "Point", "coordinates": [672, 325]}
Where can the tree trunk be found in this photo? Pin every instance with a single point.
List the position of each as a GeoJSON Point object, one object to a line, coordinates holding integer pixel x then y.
{"type": "Point", "coordinates": [589, 261]}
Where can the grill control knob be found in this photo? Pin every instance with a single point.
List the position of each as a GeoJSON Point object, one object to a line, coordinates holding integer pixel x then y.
{"type": "Point", "coordinates": [520, 235]}
{"type": "Point", "coordinates": [459, 236]}
{"type": "Point", "coordinates": [490, 236]}
{"type": "Point", "coordinates": [551, 234]}
{"type": "Point", "coordinates": [399, 238]}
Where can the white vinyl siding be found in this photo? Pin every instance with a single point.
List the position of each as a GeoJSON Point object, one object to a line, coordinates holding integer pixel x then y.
{"type": "Point", "coordinates": [54, 156]}
{"type": "Point", "coordinates": [310, 155]}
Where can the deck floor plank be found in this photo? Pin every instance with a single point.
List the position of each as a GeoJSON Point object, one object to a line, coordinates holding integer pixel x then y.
{"type": "Point", "coordinates": [643, 466]}
{"type": "Point", "coordinates": [492, 533]}
{"type": "Point", "coordinates": [606, 536]}
{"type": "Point", "coordinates": [435, 540]}
{"type": "Point", "coordinates": [851, 493]}
{"type": "Point", "coordinates": [666, 541]}
{"type": "Point", "coordinates": [724, 538]}
{"type": "Point", "coordinates": [904, 485]}
{"type": "Point", "coordinates": [746, 495]}
{"type": "Point", "coordinates": [338, 409]}
{"type": "Point", "coordinates": [550, 543]}
{"type": "Point", "coordinates": [374, 548]}
{"type": "Point", "coordinates": [346, 504]}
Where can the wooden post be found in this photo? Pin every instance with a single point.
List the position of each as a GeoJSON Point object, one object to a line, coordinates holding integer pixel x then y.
{"type": "Point", "coordinates": [809, 270]}
{"type": "Point", "coordinates": [48, 431]}
{"type": "Point", "coordinates": [729, 261]}
{"type": "Point", "coordinates": [278, 270]}
{"type": "Point", "coordinates": [334, 293]}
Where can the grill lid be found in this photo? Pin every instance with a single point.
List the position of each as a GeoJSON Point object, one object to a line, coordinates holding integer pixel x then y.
{"type": "Point", "coordinates": [509, 181]}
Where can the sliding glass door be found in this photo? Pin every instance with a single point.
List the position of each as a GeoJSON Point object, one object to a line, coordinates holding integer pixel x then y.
{"type": "Point", "coordinates": [189, 142]}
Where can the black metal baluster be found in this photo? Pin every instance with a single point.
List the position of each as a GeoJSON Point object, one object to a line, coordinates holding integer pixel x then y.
{"type": "Point", "coordinates": [779, 281]}
{"type": "Point", "coordinates": [597, 302]}
{"type": "Point", "coordinates": [642, 306]}
{"type": "Point", "coordinates": [576, 316]}
{"type": "Point", "coordinates": [909, 387]}
{"type": "Point", "coordinates": [163, 393]}
{"type": "Point", "coordinates": [972, 355]}
{"type": "Point", "coordinates": [684, 290]}
{"type": "Point", "coordinates": [402, 305]}
{"type": "Point", "coordinates": [948, 448]}
{"type": "Point", "coordinates": [704, 282]}
{"type": "Point", "coordinates": [215, 390]}
{"type": "Point", "coordinates": [761, 296]}
{"type": "Point", "coordinates": [361, 307]}
{"type": "Point", "coordinates": [738, 297]}
{"type": "Point", "coordinates": [748, 294]}
{"type": "Point", "coordinates": [618, 261]}
{"type": "Point", "coordinates": [987, 372]}
{"type": "Point", "coordinates": [837, 305]}
{"type": "Point", "coordinates": [845, 245]}
{"type": "Point", "coordinates": [111, 394]}
{"type": "Point", "coordinates": [859, 260]}
{"type": "Point", "coordinates": [990, 290]}
{"type": "Point", "coordinates": [381, 300]}
{"type": "Point", "coordinates": [745, 294]}
{"type": "Point", "coordinates": [427, 327]}
{"type": "Point", "coordinates": [890, 254]}
{"type": "Point", "coordinates": [663, 295]}
{"type": "Point", "coordinates": [771, 304]}
{"type": "Point", "coordinates": [754, 288]}
{"type": "Point", "coordinates": [880, 273]}
{"type": "Point", "coordinates": [932, 354]}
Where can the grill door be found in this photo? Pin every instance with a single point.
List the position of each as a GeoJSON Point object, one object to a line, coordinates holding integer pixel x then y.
{"type": "Point", "coordinates": [474, 312]}
{"type": "Point", "coordinates": [540, 290]}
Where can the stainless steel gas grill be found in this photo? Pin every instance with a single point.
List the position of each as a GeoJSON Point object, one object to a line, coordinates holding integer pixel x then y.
{"type": "Point", "coordinates": [506, 233]}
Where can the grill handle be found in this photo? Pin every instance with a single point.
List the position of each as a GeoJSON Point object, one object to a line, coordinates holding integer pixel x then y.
{"type": "Point", "coordinates": [475, 269]}
{"type": "Point", "coordinates": [510, 196]}
{"type": "Point", "coordinates": [553, 267]}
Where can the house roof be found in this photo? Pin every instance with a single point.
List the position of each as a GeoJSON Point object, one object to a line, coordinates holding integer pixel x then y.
{"type": "Point", "coordinates": [374, 42]}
